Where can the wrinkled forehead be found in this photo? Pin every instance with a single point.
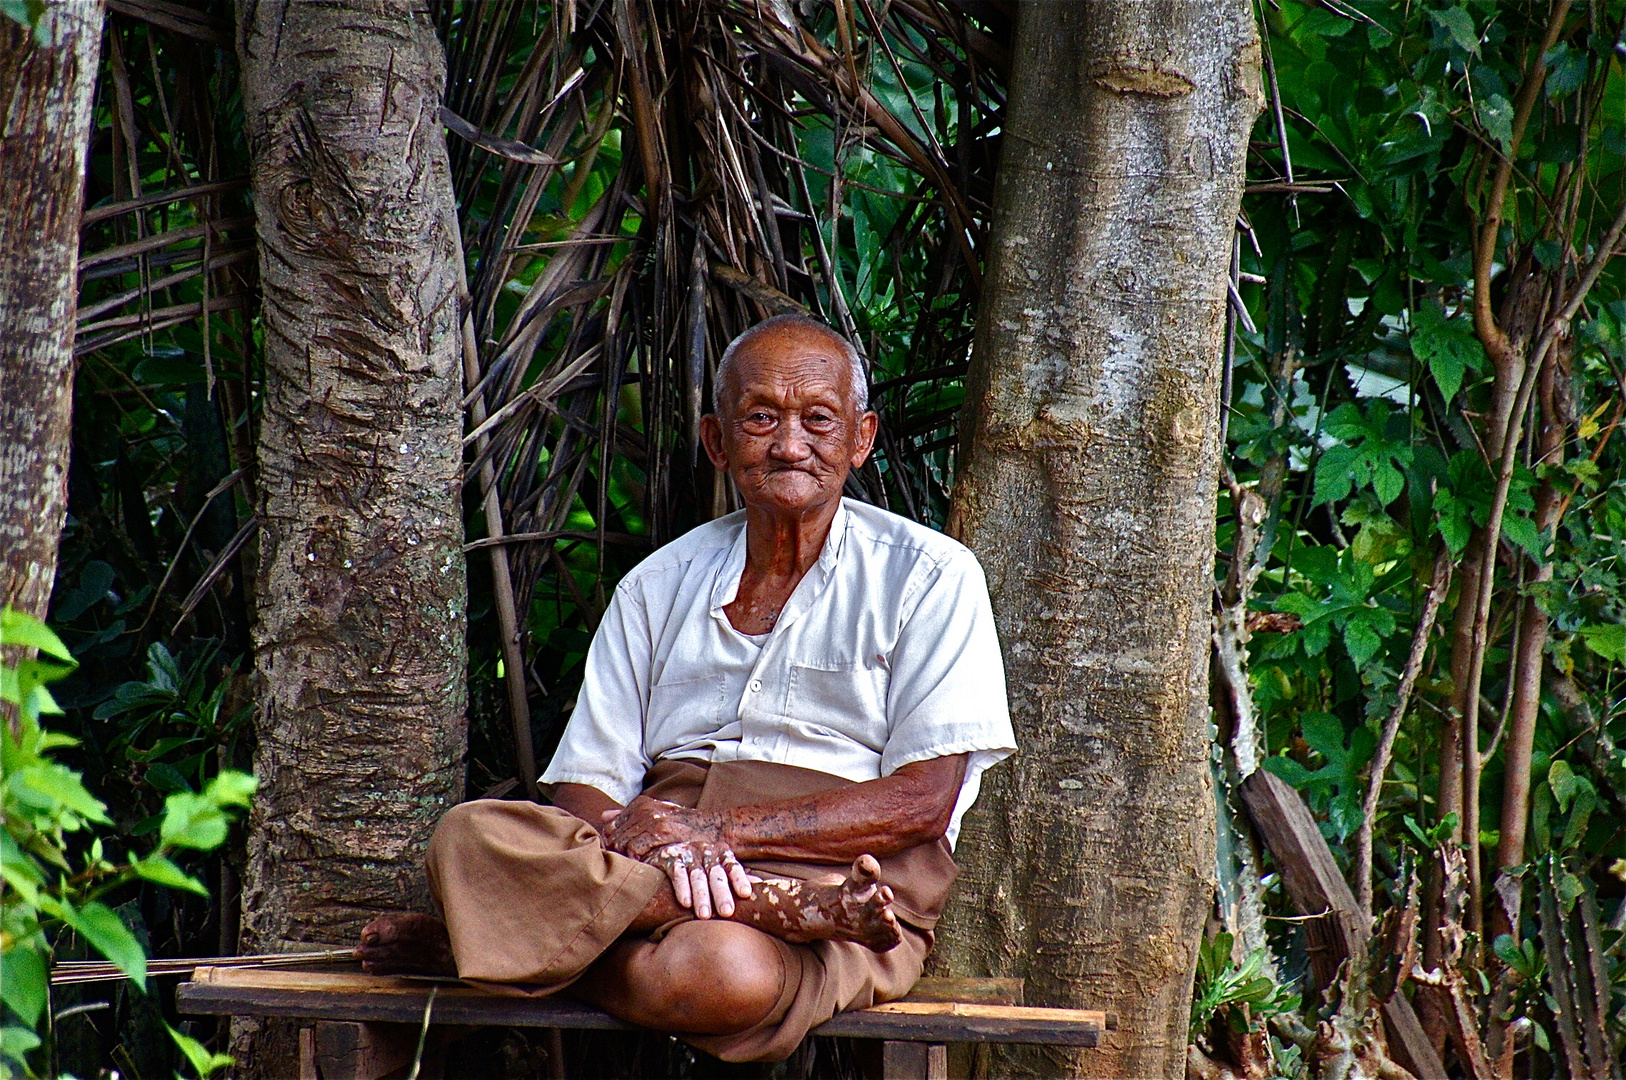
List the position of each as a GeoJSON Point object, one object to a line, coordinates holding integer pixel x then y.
{"type": "Point", "coordinates": [790, 352]}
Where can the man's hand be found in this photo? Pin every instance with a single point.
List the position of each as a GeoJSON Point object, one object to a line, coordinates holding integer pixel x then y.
{"type": "Point", "coordinates": [687, 844]}
{"type": "Point", "coordinates": [704, 876]}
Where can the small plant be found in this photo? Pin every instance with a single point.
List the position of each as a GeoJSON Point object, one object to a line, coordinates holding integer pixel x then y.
{"type": "Point", "coordinates": [54, 865]}
{"type": "Point", "coordinates": [1224, 988]}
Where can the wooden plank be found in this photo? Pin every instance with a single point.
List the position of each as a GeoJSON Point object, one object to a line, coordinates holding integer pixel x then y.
{"type": "Point", "coordinates": [1315, 885]}
{"type": "Point", "coordinates": [473, 1008]}
{"type": "Point", "coordinates": [353, 996]}
{"type": "Point", "coordinates": [913, 1061]}
{"type": "Point", "coordinates": [947, 1027]}
{"type": "Point", "coordinates": [1086, 1017]}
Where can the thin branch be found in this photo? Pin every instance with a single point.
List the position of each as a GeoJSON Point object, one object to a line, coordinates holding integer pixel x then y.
{"type": "Point", "coordinates": [1439, 582]}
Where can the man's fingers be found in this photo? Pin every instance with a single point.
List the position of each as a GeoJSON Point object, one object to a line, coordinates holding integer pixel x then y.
{"type": "Point", "coordinates": [738, 877]}
{"type": "Point", "coordinates": [702, 893]}
{"type": "Point", "coordinates": [722, 899]}
{"type": "Point", "coordinates": [680, 885]}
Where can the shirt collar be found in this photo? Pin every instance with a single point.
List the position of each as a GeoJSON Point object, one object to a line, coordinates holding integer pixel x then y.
{"type": "Point", "coordinates": [727, 587]}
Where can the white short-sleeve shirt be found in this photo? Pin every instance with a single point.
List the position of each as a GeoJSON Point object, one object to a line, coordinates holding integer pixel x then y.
{"type": "Point", "coordinates": [884, 655]}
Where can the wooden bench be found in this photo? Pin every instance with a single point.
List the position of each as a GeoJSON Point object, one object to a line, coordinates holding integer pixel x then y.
{"type": "Point", "coordinates": [362, 1027]}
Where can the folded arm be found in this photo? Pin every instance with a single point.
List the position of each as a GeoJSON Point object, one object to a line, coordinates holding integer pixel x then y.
{"type": "Point", "coordinates": [700, 849]}
{"type": "Point", "coordinates": [878, 817]}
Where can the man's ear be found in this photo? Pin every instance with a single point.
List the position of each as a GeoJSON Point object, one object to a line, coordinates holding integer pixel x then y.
{"type": "Point", "coordinates": [711, 437]}
{"type": "Point", "coordinates": [868, 425]}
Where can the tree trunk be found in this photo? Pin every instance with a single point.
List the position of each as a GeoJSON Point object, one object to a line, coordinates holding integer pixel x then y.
{"type": "Point", "coordinates": [48, 75]}
{"type": "Point", "coordinates": [1090, 442]}
{"type": "Point", "coordinates": [361, 590]}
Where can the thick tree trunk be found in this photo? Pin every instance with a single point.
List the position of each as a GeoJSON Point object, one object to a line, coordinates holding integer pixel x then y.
{"type": "Point", "coordinates": [1090, 442]}
{"type": "Point", "coordinates": [361, 591]}
{"type": "Point", "coordinates": [48, 76]}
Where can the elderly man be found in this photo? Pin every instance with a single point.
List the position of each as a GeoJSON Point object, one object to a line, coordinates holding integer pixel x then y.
{"type": "Point", "coordinates": [810, 683]}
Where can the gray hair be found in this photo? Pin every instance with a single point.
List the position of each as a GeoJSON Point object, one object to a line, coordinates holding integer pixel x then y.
{"type": "Point", "coordinates": [860, 381]}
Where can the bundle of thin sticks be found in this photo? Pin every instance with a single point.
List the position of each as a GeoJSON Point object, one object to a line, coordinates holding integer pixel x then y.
{"type": "Point", "coordinates": [88, 971]}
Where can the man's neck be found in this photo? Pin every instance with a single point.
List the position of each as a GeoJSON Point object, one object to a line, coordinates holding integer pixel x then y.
{"type": "Point", "coordinates": [780, 546]}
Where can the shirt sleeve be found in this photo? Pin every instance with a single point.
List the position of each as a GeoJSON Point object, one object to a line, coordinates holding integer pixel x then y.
{"type": "Point", "coordinates": [947, 690]}
{"type": "Point", "coordinates": [603, 744]}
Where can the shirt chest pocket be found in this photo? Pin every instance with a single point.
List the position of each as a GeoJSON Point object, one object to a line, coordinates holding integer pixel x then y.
{"type": "Point", "coordinates": [687, 706]}
{"type": "Point", "coordinates": [843, 695]}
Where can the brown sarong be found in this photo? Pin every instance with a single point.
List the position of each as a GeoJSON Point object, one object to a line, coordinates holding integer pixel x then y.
{"type": "Point", "coordinates": [531, 899]}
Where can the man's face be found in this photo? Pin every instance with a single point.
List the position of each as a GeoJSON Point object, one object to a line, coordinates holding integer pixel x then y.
{"type": "Point", "coordinates": [792, 433]}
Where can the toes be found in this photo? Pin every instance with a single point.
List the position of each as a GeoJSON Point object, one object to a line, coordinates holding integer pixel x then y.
{"type": "Point", "coordinates": [885, 895]}
{"type": "Point", "coordinates": [865, 870]}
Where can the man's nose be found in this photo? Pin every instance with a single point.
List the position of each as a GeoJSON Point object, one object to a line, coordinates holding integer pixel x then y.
{"type": "Point", "coordinates": [790, 442]}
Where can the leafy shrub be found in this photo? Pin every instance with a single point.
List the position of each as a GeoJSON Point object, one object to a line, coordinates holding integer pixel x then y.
{"type": "Point", "coordinates": [56, 867]}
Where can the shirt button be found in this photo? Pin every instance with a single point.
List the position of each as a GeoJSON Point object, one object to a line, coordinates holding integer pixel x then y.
{"type": "Point", "coordinates": [756, 686]}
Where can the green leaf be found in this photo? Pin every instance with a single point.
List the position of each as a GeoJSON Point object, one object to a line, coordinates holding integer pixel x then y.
{"type": "Point", "coordinates": [1333, 477]}
{"type": "Point", "coordinates": [198, 1056]}
{"type": "Point", "coordinates": [1607, 641]}
{"type": "Point", "coordinates": [54, 787]}
{"type": "Point", "coordinates": [21, 628]}
{"type": "Point", "coordinates": [1496, 117]}
{"type": "Point", "coordinates": [1388, 483]}
{"type": "Point", "coordinates": [1460, 25]}
{"type": "Point", "coordinates": [17, 1041]}
{"type": "Point", "coordinates": [166, 777]}
{"type": "Point", "coordinates": [233, 788]}
{"type": "Point", "coordinates": [161, 871]}
{"type": "Point", "coordinates": [25, 982]}
{"type": "Point", "coordinates": [106, 934]}
{"type": "Point", "coordinates": [200, 821]}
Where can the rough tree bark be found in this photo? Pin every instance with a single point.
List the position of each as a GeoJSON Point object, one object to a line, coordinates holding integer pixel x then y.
{"type": "Point", "coordinates": [48, 75]}
{"type": "Point", "coordinates": [361, 590]}
{"type": "Point", "coordinates": [1089, 450]}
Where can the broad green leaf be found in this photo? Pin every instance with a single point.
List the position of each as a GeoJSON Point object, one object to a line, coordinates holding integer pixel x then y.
{"type": "Point", "coordinates": [1607, 641]}
{"type": "Point", "coordinates": [1361, 642]}
{"type": "Point", "coordinates": [1523, 532]}
{"type": "Point", "coordinates": [166, 777]}
{"type": "Point", "coordinates": [1459, 24]}
{"type": "Point", "coordinates": [56, 787]}
{"type": "Point", "coordinates": [233, 788]}
{"type": "Point", "coordinates": [161, 871]}
{"type": "Point", "coordinates": [25, 982]}
{"type": "Point", "coordinates": [200, 821]}
{"type": "Point", "coordinates": [1333, 475]}
{"type": "Point", "coordinates": [193, 821]}
{"type": "Point", "coordinates": [21, 628]}
{"type": "Point", "coordinates": [204, 1063]}
{"type": "Point", "coordinates": [1586, 801]}
{"type": "Point", "coordinates": [17, 1041]}
{"type": "Point", "coordinates": [1388, 483]}
{"type": "Point", "coordinates": [1496, 117]}
{"type": "Point", "coordinates": [102, 928]}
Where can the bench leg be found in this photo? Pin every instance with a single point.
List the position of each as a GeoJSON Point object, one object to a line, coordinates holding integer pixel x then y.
{"type": "Point", "coordinates": [352, 1051]}
{"type": "Point", "coordinates": [913, 1060]}
{"type": "Point", "coordinates": [307, 1054]}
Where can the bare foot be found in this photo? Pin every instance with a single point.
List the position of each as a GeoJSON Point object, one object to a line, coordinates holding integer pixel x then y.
{"type": "Point", "coordinates": [406, 944]}
{"type": "Point", "coordinates": [858, 909]}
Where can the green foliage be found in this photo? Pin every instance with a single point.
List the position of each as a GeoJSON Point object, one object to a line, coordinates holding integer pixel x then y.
{"type": "Point", "coordinates": [1239, 995]}
{"type": "Point", "coordinates": [1365, 406]}
{"type": "Point", "coordinates": [53, 859]}
{"type": "Point", "coordinates": [29, 14]}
